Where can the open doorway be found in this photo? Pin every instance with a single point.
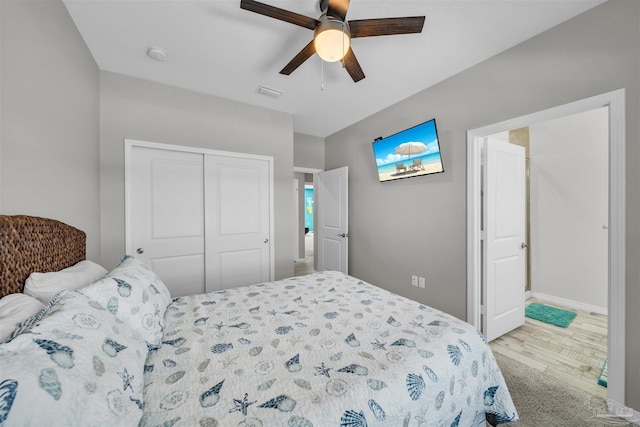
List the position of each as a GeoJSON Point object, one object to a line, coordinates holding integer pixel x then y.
{"type": "Point", "coordinates": [304, 212]}
{"type": "Point", "coordinates": [309, 217]}
{"type": "Point", "coordinates": [614, 102]}
{"type": "Point", "coordinates": [330, 238]}
{"type": "Point", "coordinates": [566, 223]}
{"type": "Point", "coordinates": [305, 264]}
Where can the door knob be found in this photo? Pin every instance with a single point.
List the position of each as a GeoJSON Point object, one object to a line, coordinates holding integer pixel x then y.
{"type": "Point", "coordinates": [140, 251]}
{"type": "Point", "coordinates": [344, 235]}
{"type": "Point", "coordinates": [523, 245]}
{"type": "Point", "coordinates": [266, 240]}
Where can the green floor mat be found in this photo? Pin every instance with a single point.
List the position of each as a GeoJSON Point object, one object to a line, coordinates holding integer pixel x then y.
{"type": "Point", "coordinates": [552, 315]}
{"type": "Point", "coordinates": [602, 379]}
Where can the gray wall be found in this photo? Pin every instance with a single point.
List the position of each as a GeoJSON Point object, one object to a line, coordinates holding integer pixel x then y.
{"type": "Point", "coordinates": [308, 151]}
{"type": "Point", "coordinates": [422, 221]}
{"type": "Point", "coordinates": [138, 109]}
{"type": "Point", "coordinates": [49, 122]}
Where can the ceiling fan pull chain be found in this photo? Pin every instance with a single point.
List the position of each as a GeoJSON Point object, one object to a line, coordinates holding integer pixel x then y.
{"type": "Point", "coordinates": [343, 43]}
{"type": "Point", "coordinates": [321, 75]}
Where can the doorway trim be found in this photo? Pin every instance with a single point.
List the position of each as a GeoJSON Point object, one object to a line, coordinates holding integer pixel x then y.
{"type": "Point", "coordinates": [615, 101]}
{"type": "Point", "coordinates": [296, 222]}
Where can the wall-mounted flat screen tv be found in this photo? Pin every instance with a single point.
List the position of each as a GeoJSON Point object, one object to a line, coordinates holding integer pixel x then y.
{"type": "Point", "coordinates": [412, 152]}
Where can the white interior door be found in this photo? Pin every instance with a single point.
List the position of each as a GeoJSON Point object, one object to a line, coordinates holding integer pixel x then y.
{"type": "Point", "coordinates": [332, 231]}
{"type": "Point", "coordinates": [238, 221]}
{"type": "Point", "coordinates": [504, 244]}
{"type": "Point", "coordinates": [166, 216]}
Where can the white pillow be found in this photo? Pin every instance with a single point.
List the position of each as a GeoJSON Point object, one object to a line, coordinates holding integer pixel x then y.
{"type": "Point", "coordinates": [44, 286]}
{"type": "Point", "coordinates": [15, 309]}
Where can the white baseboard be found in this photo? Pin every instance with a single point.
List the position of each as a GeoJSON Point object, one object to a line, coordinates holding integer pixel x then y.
{"type": "Point", "coordinates": [568, 303]}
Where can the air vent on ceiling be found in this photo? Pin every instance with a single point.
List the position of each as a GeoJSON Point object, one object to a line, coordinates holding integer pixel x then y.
{"type": "Point", "coordinates": [272, 93]}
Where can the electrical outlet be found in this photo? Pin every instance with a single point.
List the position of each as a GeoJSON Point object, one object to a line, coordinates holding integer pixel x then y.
{"type": "Point", "coordinates": [421, 282]}
{"type": "Point", "coordinates": [414, 280]}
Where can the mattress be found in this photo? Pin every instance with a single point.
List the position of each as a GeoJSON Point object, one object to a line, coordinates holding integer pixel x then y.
{"type": "Point", "coordinates": [326, 349]}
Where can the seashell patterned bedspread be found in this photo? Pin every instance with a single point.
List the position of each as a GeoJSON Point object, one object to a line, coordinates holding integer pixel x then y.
{"type": "Point", "coordinates": [320, 350]}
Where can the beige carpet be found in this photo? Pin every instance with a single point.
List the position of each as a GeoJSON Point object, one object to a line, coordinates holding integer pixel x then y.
{"type": "Point", "coordinates": [542, 400]}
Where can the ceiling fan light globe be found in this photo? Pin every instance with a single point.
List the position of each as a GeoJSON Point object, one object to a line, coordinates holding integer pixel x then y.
{"type": "Point", "coordinates": [331, 41]}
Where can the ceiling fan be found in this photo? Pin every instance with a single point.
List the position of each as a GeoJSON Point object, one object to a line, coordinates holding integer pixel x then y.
{"type": "Point", "coordinates": [333, 33]}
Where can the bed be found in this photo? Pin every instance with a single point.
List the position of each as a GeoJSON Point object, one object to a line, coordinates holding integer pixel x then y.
{"type": "Point", "coordinates": [326, 349]}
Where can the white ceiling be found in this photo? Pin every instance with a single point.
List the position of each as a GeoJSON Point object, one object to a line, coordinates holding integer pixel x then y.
{"type": "Point", "coordinates": [217, 48]}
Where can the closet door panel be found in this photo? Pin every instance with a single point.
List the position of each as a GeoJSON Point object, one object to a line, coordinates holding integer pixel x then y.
{"type": "Point", "coordinates": [184, 275]}
{"type": "Point", "coordinates": [239, 188]}
{"type": "Point", "coordinates": [166, 211]}
{"type": "Point", "coordinates": [237, 221]}
{"type": "Point", "coordinates": [233, 267]}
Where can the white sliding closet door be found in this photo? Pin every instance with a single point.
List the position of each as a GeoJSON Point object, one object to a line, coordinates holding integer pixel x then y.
{"type": "Point", "coordinates": [237, 221]}
{"type": "Point", "coordinates": [201, 219]}
{"type": "Point", "coordinates": [167, 216]}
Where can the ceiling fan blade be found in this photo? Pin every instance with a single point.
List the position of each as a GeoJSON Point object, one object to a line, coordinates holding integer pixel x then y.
{"type": "Point", "coordinates": [338, 9]}
{"type": "Point", "coordinates": [281, 14]}
{"type": "Point", "coordinates": [386, 26]}
{"type": "Point", "coordinates": [297, 60]}
{"type": "Point", "coordinates": [353, 66]}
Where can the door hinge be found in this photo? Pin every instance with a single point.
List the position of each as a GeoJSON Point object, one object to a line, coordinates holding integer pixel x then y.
{"type": "Point", "coordinates": [483, 310]}
{"type": "Point", "coordinates": [483, 235]}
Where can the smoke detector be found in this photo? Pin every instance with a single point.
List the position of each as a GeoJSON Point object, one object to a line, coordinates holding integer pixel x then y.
{"type": "Point", "coordinates": [157, 53]}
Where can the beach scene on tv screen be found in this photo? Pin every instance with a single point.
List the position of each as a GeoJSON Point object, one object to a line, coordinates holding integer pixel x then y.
{"type": "Point", "coordinates": [412, 152]}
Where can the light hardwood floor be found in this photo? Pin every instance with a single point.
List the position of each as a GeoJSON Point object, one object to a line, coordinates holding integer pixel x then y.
{"type": "Point", "coordinates": [574, 355]}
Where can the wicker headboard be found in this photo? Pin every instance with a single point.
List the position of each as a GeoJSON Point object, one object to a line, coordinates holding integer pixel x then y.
{"type": "Point", "coordinates": [29, 244]}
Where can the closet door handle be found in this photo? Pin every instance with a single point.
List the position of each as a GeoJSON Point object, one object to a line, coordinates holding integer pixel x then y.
{"type": "Point", "coordinates": [266, 240]}
{"type": "Point", "coordinates": [140, 250]}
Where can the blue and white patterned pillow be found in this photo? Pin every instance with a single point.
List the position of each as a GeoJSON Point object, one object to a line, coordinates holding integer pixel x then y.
{"type": "Point", "coordinates": [79, 365]}
{"type": "Point", "coordinates": [136, 295]}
